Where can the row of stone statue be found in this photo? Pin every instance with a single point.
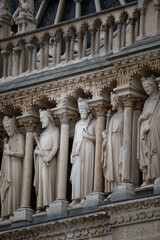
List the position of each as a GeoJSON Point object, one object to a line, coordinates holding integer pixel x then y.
{"type": "Point", "coordinates": [83, 152]}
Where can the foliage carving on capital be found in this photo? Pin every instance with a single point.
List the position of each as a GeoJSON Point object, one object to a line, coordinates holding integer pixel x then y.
{"type": "Point", "coordinates": [128, 101]}
{"type": "Point", "coordinates": [100, 109]}
{"type": "Point", "coordinates": [64, 118]}
{"type": "Point", "coordinates": [30, 126]}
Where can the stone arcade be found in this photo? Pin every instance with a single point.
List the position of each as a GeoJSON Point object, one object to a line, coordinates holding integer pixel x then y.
{"type": "Point", "coordinates": [80, 119]}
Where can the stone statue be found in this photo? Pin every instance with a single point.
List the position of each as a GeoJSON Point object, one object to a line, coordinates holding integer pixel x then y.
{"type": "Point", "coordinates": [12, 163]}
{"type": "Point", "coordinates": [112, 145]}
{"type": "Point", "coordinates": [83, 155]}
{"type": "Point", "coordinates": [5, 4]}
{"type": "Point", "coordinates": [25, 9]}
{"type": "Point", "coordinates": [45, 160]}
{"type": "Point", "coordinates": [149, 133]}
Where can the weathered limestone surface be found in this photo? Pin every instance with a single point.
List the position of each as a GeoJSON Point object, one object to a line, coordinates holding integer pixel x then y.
{"type": "Point", "coordinates": [48, 70]}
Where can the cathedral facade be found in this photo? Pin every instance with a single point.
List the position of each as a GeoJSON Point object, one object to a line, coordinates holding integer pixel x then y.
{"type": "Point", "coordinates": [79, 119]}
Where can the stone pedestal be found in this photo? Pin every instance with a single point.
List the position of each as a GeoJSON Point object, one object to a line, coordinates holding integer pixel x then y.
{"type": "Point", "coordinates": [123, 191]}
{"type": "Point", "coordinates": [156, 188]}
{"type": "Point", "coordinates": [40, 217]}
{"type": "Point", "coordinates": [25, 212]}
{"type": "Point", "coordinates": [93, 199]}
{"type": "Point", "coordinates": [23, 215]}
{"type": "Point", "coordinates": [5, 224]}
{"type": "Point", "coordinates": [57, 209]}
{"type": "Point", "coordinates": [144, 191]}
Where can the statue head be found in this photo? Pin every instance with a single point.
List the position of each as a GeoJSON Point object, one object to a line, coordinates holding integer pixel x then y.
{"type": "Point", "coordinates": [149, 84]}
{"type": "Point", "coordinates": [115, 101]}
{"type": "Point", "coordinates": [9, 125]}
{"type": "Point", "coordinates": [83, 108]}
{"type": "Point", "coordinates": [46, 118]}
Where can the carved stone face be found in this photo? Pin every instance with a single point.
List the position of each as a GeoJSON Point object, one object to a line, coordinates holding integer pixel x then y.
{"type": "Point", "coordinates": [114, 103]}
{"type": "Point", "coordinates": [44, 120]}
{"type": "Point", "coordinates": [149, 88]}
{"type": "Point", "coordinates": [10, 129]}
{"type": "Point", "coordinates": [83, 112]}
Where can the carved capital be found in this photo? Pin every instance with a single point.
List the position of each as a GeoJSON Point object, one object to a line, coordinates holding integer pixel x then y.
{"type": "Point", "coordinates": [29, 122]}
{"type": "Point", "coordinates": [65, 114]}
{"type": "Point", "coordinates": [100, 110]}
{"type": "Point", "coordinates": [128, 101]}
{"type": "Point", "coordinates": [142, 11]}
{"type": "Point", "coordinates": [5, 53]}
{"type": "Point", "coordinates": [64, 118]}
{"type": "Point", "coordinates": [99, 105]}
{"type": "Point", "coordinates": [17, 50]}
{"type": "Point", "coordinates": [30, 47]}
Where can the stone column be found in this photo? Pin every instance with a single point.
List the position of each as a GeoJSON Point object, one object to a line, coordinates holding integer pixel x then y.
{"type": "Point", "coordinates": [99, 105]}
{"type": "Point", "coordinates": [25, 212]}
{"type": "Point", "coordinates": [72, 47]}
{"type": "Point", "coordinates": [30, 48]}
{"type": "Point", "coordinates": [59, 47]}
{"type": "Point", "coordinates": [84, 48]}
{"type": "Point", "coordinates": [127, 139]}
{"type": "Point", "coordinates": [54, 53]}
{"type": "Point", "coordinates": [46, 52]}
{"type": "Point", "coordinates": [157, 10]}
{"type": "Point", "coordinates": [106, 38]}
{"type": "Point", "coordinates": [110, 44]}
{"type": "Point", "coordinates": [59, 208]}
{"type": "Point", "coordinates": [80, 40]}
{"type": "Point", "coordinates": [125, 190]}
{"type": "Point", "coordinates": [42, 55]}
{"type": "Point", "coordinates": [142, 22]}
{"type": "Point", "coordinates": [92, 30]}
{"type": "Point", "coordinates": [10, 63]}
{"type": "Point", "coordinates": [22, 57]}
{"type": "Point", "coordinates": [135, 171]}
{"type": "Point", "coordinates": [63, 158]}
{"type": "Point", "coordinates": [98, 5]}
{"type": "Point", "coordinates": [16, 52]}
{"type": "Point", "coordinates": [59, 11]}
{"type": "Point", "coordinates": [119, 35]}
{"type": "Point", "coordinates": [78, 8]}
{"type": "Point", "coordinates": [67, 52]}
{"type": "Point", "coordinates": [5, 55]}
{"type": "Point", "coordinates": [132, 23]}
{"type": "Point", "coordinates": [123, 36]}
{"type": "Point", "coordinates": [97, 43]}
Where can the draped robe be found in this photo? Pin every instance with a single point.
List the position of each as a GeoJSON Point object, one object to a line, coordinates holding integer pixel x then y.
{"type": "Point", "coordinates": [149, 143]}
{"type": "Point", "coordinates": [82, 173]}
{"type": "Point", "coordinates": [45, 175]}
{"type": "Point", "coordinates": [11, 180]}
{"type": "Point", "coordinates": [112, 162]}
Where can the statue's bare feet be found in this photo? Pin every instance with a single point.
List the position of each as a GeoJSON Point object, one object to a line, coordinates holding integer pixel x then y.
{"type": "Point", "coordinates": [74, 202]}
{"type": "Point", "coordinates": [39, 210]}
{"type": "Point", "coordinates": [83, 201]}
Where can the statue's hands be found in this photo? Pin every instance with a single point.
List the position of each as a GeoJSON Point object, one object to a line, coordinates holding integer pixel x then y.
{"type": "Point", "coordinates": [104, 133]}
{"type": "Point", "coordinates": [46, 160]}
{"type": "Point", "coordinates": [8, 152]}
{"type": "Point", "coordinates": [38, 152]}
{"type": "Point", "coordinates": [146, 129]}
{"type": "Point", "coordinates": [84, 134]}
{"type": "Point", "coordinates": [144, 117]}
{"type": "Point", "coordinates": [74, 157]}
